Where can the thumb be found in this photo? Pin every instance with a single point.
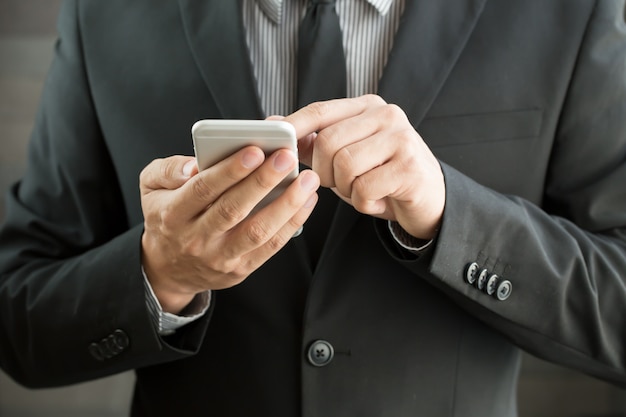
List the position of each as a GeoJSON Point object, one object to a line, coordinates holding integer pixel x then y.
{"type": "Point", "coordinates": [168, 173]}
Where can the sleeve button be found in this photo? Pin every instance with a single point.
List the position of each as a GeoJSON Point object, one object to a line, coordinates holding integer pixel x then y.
{"type": "Point", "coordinates": [96, 352]}
{"type": "Point", "coordinates": [482, 279]}
{"type": "Point", "coordinates": [492, 284]}
{"type": "Point", "coordinates": [121, 339]}
{"type": "Point", "coordinates": [504, 290]}
{"type": "Point", "coordinates": [470, 273]}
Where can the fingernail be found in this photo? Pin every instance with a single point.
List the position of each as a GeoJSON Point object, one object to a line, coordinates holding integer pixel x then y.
{"type": "Point", "coordinates": [309, 181]}
{"type": "Point", "coordinates": [282, 161]}
{"type": "Point", "coordinates": [188, 167]}
{"type": "Point", "coordinates": [251, 159]}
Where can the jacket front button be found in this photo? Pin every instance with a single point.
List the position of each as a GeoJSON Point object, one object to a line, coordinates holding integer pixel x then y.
{"type": "Point", "coordinates": [320, 353]}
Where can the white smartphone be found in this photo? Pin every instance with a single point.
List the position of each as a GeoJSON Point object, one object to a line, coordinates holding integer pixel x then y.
{"type": "Point", "coordinates": [214, 140]}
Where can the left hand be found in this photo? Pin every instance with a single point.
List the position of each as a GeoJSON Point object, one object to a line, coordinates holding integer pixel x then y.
{"type": "Point", "coordinates": [368, 152]}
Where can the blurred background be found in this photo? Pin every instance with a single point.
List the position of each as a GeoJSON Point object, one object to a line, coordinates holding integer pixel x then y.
{"type": "Point", "coordinates": [27, 35]}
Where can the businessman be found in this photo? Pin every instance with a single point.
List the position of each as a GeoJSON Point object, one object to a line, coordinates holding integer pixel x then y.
{"type": "Point", "coordinates": [465, 202]}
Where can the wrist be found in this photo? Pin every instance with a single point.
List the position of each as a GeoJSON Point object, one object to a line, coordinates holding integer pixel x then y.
{"type": "Point", "coordinates": [171, 302]}
{"type": "Point", "coordinates": [421, 231]}
{"type": "Point", "coordinates": [406, 240]}
{"type": "Point", "coordinates": [171, 298]}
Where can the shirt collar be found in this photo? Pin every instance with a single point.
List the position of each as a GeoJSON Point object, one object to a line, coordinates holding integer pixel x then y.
{"type": "Point", "coordinates": [273, 8]}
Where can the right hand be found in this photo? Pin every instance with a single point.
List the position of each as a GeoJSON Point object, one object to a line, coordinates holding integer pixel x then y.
{"type": "Point", "coordinates": [198, 235]}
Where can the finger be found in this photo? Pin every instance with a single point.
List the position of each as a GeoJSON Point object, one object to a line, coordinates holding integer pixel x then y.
{"type": "Point", "coordinates": [205, 188]}
{"type": "Point", "coordinates": [354, 160]}
{"type": "Point", "coordinates": [411, 176]}
{"type": "Point", "coordinates": [419, 204]}
{"type": "Point", "coordinates": [319, 115]}
{"type": "Point", "coordinates": [354, 146]}
{"type": "Point", "coordinates": [370, 189]}
{"type": "Point", "coordinates": [283, 216]}
{"type": "Point", "coordinates": [167, 173]}
{"type": "Point", "coordinates": [235, 204]}
{"type": "Point", "coordinates": [332, 141]}
{"type": "Point", "coordinates": [284, 235]}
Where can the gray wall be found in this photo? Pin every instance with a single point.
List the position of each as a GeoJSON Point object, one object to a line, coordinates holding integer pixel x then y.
{"type": "Point", "coordinates": [26, 41]}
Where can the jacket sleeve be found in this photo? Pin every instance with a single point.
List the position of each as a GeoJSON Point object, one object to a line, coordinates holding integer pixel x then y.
{"type": "Point", "coordinates": [72, 300]}
{"type": "Point", "coordinates": [563, 264]}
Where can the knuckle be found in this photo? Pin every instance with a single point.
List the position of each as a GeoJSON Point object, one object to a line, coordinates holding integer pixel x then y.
{"type": "Point", "coordinates": [146, 174]}
{"type": "Point", "coordinates": [405, 142]}
{"type": "Point", "coordinates": [343, 171]}
{"type": "Point", "coordinates": [361, 202]}
{"type": "Point", "coordinates": [225, 266]}
{"type": "Point", "coordinates": [360, 188]}
{"type": "Point", "coordinates": [193, 248]}
{"type": "Point", "coordinates": [374, 99]}
{"type": "Point", "coordinates": [232, 173]}
{"type": "Point", "coordinates": [228, 251]}
{"type": "Point", "coordinates": [277, 242]}
{"type": "Point", "coordinates": [240, 271]}
{"type": "Point", "coordinates": [318, 109]}
{"type": "Point", "coordinates": [258, 232]}
{"type": "Point", "coordinates": [201, 189]}
{"type": "Point", "coordinates": [167, 167]}
{"type": "Point", "coordinates": [325, 141]}
{"type": "Point", "coordinates": [409, 163]}
{"type": "Point", "coordinates": [343, 160]}
{"type": "Point", "coordinates": [264, 182]}
{"type": "Point", "coordinates": [229, 210]}
{"type": "Point", "coordinates": [393, 112]}
{"type": "Point", "coordinates": [168, 215]}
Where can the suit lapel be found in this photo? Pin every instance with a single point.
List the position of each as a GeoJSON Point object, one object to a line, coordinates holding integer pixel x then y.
{"type": "Point", "coordinates": [430, 38]}
{"type": "Point", "coordinates": [216, 37]}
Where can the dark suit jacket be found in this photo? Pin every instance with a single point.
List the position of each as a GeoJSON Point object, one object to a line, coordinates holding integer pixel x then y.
{"type": "Point", "coordinates": [524, 103]}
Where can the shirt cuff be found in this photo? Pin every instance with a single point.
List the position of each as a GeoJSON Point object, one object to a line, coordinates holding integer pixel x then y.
{"type": "Point", "coordinates": [167, 323]}
{"type": "Point", "coordinates": [406, 241]}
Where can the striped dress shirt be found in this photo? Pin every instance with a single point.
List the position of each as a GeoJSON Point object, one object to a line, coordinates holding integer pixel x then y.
{"type": "Point", "coordinates": [368, 28]}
